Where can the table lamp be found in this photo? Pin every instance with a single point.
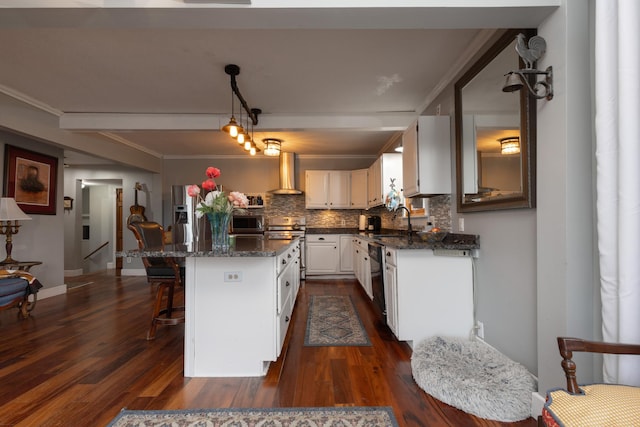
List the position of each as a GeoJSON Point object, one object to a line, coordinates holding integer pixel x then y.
{"type": "Point", "coordinates": [10, 214]}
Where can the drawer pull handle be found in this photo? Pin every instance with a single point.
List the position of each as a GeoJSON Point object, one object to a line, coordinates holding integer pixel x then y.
{"type": "Point", "coordinates": [321, 238]}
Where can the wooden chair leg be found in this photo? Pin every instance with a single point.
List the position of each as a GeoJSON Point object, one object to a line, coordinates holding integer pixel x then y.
{"type": "Point", "coordinates": [157, 308]}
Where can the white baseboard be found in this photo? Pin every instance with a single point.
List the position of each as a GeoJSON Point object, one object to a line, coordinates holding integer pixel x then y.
{"type": "Point", "coordinates": [52, 292]}
{"type": "Point", "coordinates": [537, 403]}
{"type": "Point", "coordinates": [133, 272]}
{"type": "Point", "coordinates": [73, 273]}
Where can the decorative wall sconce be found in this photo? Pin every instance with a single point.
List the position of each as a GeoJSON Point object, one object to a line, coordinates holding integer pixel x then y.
{"type": "Point", "coordinates": [530, 53]}
{"type": "Point", "coordinates": [509, 145]}
{"type": "Point", "coordinates": [68, 203]}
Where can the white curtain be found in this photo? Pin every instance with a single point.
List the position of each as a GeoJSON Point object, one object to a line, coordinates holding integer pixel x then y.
{"type": "Point", "coordinates": [617, 59]}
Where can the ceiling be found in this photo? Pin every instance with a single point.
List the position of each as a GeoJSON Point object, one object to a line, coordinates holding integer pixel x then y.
{"type": "Point", "coordinates": [330, 81]}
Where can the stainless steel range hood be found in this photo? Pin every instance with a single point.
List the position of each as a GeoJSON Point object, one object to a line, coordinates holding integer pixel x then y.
{"type": "Point", "coordinates": [287, 175]}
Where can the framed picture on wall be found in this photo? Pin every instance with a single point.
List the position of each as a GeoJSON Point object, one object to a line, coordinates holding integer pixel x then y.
{"type": "Point", "coordinates": [30, 178]}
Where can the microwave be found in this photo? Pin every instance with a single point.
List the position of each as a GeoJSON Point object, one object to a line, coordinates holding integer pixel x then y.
{"type": "Point", "coordinates": [247, 224]}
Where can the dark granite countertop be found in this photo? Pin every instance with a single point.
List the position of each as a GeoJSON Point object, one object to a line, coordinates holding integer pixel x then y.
{"type": "Point", "coordinates": [398, 239]}
{"type": "Point", "coordinates": [245, 246]}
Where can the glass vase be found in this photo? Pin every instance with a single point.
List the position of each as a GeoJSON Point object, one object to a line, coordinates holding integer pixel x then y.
{"type": "Point", "coordinates": [219, 222]}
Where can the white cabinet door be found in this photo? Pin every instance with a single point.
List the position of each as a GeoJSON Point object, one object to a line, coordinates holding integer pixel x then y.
{"type": "Point", "coordinates": [374, 184]}
{"type": "Point", "coordinates": [427, 156]}
{"type": "Point", "coordinates": [359, 194]}
{"type": "Point", "coordinates": [390, 292]}
{"type": "Point", "coordinates": [323, 255]}
{"type": "Point", "coordinates": [346, 254]}
{"type": "Point", "coordinates": [339, 189]}
{"type": "Point", "coordinates": [316, 189]}
{"type": "Point", "coordinates": [410, 160]}
{"type": "Point", "coordinates": [325, 189]}
{"type": "Point", "coordinates": [438, 303]}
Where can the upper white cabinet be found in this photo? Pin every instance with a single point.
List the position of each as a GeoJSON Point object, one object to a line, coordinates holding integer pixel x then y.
{"type": "Point", "coordinates": [327, 189]}
{"type": "Point", "coordinates": [386, 167]}
{"type": "Point", "coordinates": [426, 156]}
{"type": "Point", "coordinates": [359, 192]}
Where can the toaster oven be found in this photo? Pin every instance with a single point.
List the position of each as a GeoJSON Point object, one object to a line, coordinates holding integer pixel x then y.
{"type": "Point", "coordinates": [247, 224]}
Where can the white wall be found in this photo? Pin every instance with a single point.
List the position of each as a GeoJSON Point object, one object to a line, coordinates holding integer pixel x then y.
{"type": "Point", "coordinates": [567, 280]}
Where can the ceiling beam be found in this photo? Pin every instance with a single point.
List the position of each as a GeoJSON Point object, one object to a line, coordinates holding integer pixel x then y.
{"type": "Point", "coordinates": [189, 122]}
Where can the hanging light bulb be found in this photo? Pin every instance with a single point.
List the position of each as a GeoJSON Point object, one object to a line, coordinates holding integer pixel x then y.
{"type": "Point", "coordinates": [247, 145]}
{"type": "Point", "coordinates": [252, 151]}
{"type": "Point", "coordinates": [232, 127]}
{"type": "Point", "coordinates": [241, 138]}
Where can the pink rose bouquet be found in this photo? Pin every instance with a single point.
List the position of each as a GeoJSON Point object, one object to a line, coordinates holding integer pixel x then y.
{"type": "Point", "coordinates": [216, 201]}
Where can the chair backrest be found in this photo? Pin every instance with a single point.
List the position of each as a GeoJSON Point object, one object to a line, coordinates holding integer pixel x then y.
{"type": "Point", "coordinates": [568, 345]}
{"type": "Point", "coordinates": [150, 236]}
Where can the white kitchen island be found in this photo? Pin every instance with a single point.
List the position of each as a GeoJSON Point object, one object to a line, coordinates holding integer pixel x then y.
{"type": "Point", "coordinates": [238, 306]}
{"type": "Point", "coordinates": [238, 309]}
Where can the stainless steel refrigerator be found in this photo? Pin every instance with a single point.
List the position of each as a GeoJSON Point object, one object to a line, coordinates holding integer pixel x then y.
{"type": "Point", "coordinates": [187, 228]}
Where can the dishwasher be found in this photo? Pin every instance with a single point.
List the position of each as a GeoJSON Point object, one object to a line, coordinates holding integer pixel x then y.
{"type": "Point", "coordinates": [376, 252]}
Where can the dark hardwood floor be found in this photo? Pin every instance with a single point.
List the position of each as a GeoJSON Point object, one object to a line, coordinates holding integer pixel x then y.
{"type": "Point", "coordinates": [82, 357]}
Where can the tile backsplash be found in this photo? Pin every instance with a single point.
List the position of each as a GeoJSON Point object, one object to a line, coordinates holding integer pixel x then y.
{"type": "Point", "coordinates": [293, 205]}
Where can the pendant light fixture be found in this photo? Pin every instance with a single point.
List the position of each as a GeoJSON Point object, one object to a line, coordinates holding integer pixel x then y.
{"type": "Point", "coordinates": [233, 128]}
{"type": "Point", "coordinates": [272, 146]}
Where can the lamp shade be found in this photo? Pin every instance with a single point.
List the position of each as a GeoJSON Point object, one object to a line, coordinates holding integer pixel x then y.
{"type": "Point", "coordinates": [10, 211]}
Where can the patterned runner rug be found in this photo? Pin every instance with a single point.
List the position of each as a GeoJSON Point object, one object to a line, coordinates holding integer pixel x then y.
{"type": "Point", "coordinates": [333, 321]}
{"type": "Point", "coordinates": [326, 417]}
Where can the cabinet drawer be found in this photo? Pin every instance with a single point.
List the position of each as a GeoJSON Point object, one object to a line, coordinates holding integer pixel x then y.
{"type": "Point", "coordinates": [390, 256]}
{"type": "Point", "coordinates": [285, 258]}
{"type": "Point", "coordinates": [322, 238]}
{"type": "Point", "coordinates": [284, 319]}
{"type": "Point", "coordinates": [285, 287]}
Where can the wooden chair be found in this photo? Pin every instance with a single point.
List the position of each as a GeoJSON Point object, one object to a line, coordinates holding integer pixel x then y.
{"type": "Point", "coordinates": [595, 404]}
{"type": "Point", "coordinates": [165, 272]}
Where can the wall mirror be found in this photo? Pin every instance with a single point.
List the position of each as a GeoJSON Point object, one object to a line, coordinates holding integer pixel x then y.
{"type": "Point", "coordinates": [495, 134]}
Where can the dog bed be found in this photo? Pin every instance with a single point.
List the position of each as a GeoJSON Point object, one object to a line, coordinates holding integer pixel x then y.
{"type": "Point", "coordinates": [473, 377]}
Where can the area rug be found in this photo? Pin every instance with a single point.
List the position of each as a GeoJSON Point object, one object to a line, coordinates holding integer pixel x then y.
{"type": "Point", "coordinates": [333, 321]}
{"type": "Point", "coordinates": [474, 377]}
{"type": "Point", "coordinates": [287, 417]}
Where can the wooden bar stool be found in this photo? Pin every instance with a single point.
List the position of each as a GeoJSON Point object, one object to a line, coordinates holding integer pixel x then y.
{"type": "Point", "coordinates": [165, 272]}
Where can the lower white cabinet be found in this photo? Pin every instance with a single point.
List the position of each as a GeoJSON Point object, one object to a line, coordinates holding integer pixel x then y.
{"type": "Point", "coordinates": [361, 264]}
{"type": "Point", "coordinates": [428, 295]}
{"type": "Point", "coordinates": [323, 254]}
{"type": "Point", "coordinates": [346, 254]}
{"type": "Point", "coordinates": [391, 290]}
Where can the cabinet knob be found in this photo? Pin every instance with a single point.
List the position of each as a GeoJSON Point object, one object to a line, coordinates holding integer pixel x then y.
{"type": "Point", "coordinates": [289, 256]}
{"type": "Point", "coordinates": [286, 319]}
{"type": "Point", "coordinates": [284, 261]}
{"type": "Point", "coordinates": [388, 253]}
{"type": "Point", "coordinates": [287, 284]}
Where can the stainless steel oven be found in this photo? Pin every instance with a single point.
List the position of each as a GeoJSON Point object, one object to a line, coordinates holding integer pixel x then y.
{"type": "Point", "coordinates": [288, 228]}
{"type": "Point", "coordinates": [247, 224]}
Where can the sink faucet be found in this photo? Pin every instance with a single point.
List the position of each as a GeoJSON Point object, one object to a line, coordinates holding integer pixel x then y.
{"type": "Point", "coordinates": [409, 230]}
